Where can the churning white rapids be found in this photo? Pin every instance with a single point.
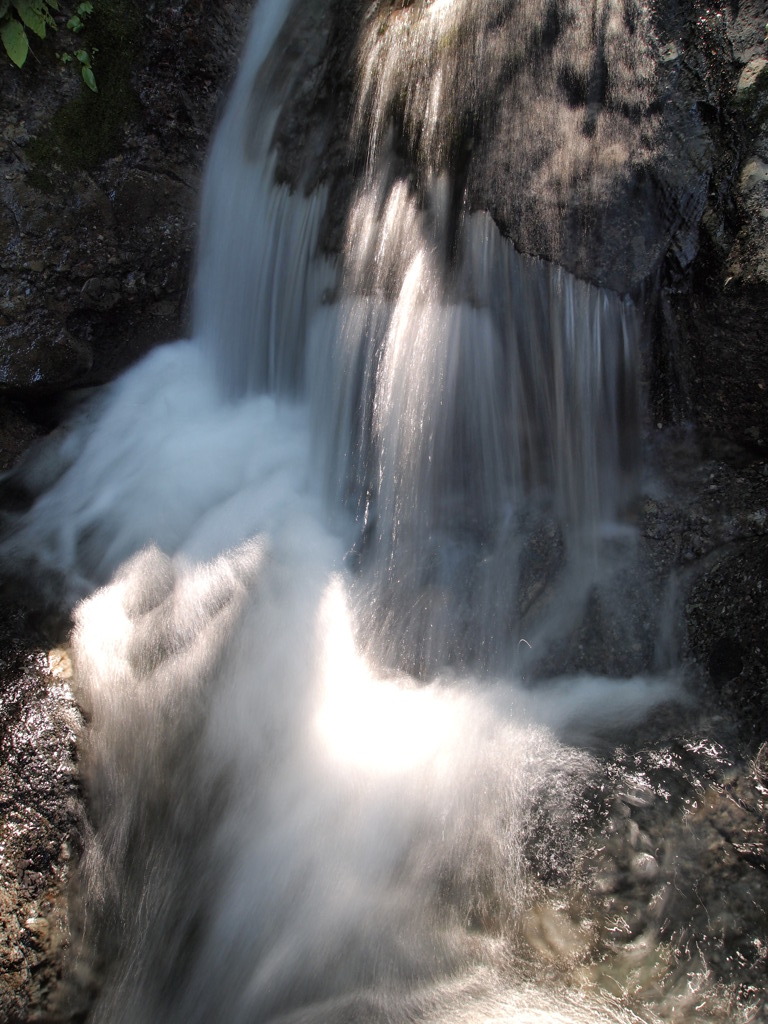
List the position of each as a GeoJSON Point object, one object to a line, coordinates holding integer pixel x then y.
{"type": "Point", "coordinates": [283, 833]}
{"type": "Point", "coordinates": [288, 825]}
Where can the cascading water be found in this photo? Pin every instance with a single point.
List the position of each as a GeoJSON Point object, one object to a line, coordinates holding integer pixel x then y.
{"type": "Point", "coordinates": [340, 481]}
{"type": "Point", "coordinates": [463, 397]}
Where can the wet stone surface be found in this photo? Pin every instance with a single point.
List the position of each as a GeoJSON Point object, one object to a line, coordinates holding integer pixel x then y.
{"type": "Point", "coordinates": [99, 197]}
{"type": "Point", "coordinates": [704, 524]}
{"type": "Point", "coordinates": [41, 829]}
{"type": "Point", "coordinates": [664, 906]}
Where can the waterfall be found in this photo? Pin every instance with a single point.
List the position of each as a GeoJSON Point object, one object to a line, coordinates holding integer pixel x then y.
{"type": "Point", "coordinates": [316, 548]}
{"type": "Point", "coordinates": [464, 398]}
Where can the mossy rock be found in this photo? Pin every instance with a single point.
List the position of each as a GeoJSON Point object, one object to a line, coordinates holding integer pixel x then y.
{"type": "Point", "coordinates": [89, 129]}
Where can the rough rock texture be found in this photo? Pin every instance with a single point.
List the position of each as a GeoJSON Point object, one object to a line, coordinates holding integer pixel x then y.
{"type": "Point", "coordinates": [611, 168]}
{"type": "Point", "coordinates": [712, 365]}
{"type": "Point", "coordinates": [99, 193]}
{"type": "Point", "coordinates": [704, 522]}
{"type": "Point", "coordinates": [718, 358]}
{"type": "Point", "coordinates": [42, 827]}
{"type": "Point", "coordinates": [632, 195]}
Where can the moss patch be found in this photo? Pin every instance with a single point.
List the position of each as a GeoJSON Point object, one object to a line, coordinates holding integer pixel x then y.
{"type": "Point", "coordinates": [89, 129]}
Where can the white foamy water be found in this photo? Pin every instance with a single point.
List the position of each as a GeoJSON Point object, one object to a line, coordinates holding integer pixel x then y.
{"type": "Point", "coordinates": [284, 833]}
{"type": "Point", "coordinates": [298, 539]}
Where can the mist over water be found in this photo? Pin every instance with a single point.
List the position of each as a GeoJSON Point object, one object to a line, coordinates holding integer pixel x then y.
{"type": "Point", "coordinates": [284, 832]}
{"type": "Point", "coordinates": [301, 542]}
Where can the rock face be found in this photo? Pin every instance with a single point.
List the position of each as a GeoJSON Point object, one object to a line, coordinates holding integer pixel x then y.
{"type": "Point", "coordinates": [98, 195]}
{"type": "Point", "coordinates": [607, 141]}
{"type": "Point", "coordinates": [720, 309]}
{"type": "Point", "coordinates": [645, 170]}
{"type": "Point", "coordinates": [42, 825]}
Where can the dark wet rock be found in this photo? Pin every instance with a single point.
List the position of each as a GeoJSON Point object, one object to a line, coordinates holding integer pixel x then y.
{"type": "Point", "coordinates": [726, 660]}
{"type": "Point", "coordinates": [636, 198]}
{"type": "Point", "coordinates": [541, 561]}
{"type": "Point", "coordinates": [727, 629]}
{"type": "Point", "coordinates": [664, 896]}
{"type": "Point", "coordinates": [42, 823]}
{"type": "Point", "coordinates": [704, 524]}
{"type": "Point", "coordinates": [726, 368]}
{"type": "Point", "coordinates": [710, 367]}
{"type": "Point", "coordinates": [29, 364]}
{"type": "Point", "coordinates": [100, 293]}
{"type": "Point", "coordinates": [690, 931]}
{"type": "Point", "coordinates": [98, 193]}
{"type": "Point", "coordinates": [729, 824]}
{"type": "Point", "coordinates": [17, 432]}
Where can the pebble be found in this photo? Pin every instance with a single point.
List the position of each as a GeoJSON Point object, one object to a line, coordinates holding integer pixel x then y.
{"type": "Point", "coordinates": [644, 867]}
{"type": "Point", "coordinates": [38, 926]}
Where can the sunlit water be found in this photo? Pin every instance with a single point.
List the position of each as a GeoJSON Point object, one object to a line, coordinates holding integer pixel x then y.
{"type": "Point", "coordinates": [283, 832]}
{"type": "Point", "coordinates": [321, 791]}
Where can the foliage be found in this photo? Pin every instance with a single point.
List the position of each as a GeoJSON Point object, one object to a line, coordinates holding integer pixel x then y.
{"type": "Point", "coordinates": [88, 128]}
{"type": "Point", "coordinates": [17, 17]}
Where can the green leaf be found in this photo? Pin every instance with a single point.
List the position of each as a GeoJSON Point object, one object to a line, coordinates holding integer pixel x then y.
{"type": "Point", "coordinates": [15, 41]}
{"type": "Point", "coordinates": [82, 56]}
{"type": "Point", "coordinates": [74, 24]}
{"type": "Point", "coordinates": [31, 14]}
{"type": "Point", "coordinates": [89, 79]}
{"type": "Point", "coordinates": [4, 5]}
{"type": "Point", "coordinates": [85, 8]}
